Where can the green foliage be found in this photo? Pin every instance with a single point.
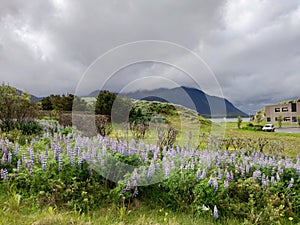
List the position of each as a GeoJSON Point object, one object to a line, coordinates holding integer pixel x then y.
{"type": "Point", "coordinates": [15, 108]}
{"type": "Point", "coordinates": [239, 122]}
{"type": "Point", "coordinates": [251, 126]}
{"type": "Point", "coordinates": [16, 130]}
{"type": "Point", "coordinates": [259, 116]}
{"type": "Point", "coordinates": [104, 103]}
{"type": "Point", "coordinates": [67, 103]}
{"type": "Point", "coordinates": [298, 120]}
{"type": "Point", "coordinates": [279, 120]}
{"type": "Point", "coordinates": [69, 188]}
{"type": "Point", "coordinates": [47, 103]}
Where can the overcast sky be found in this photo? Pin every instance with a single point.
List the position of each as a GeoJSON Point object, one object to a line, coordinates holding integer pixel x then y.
{"type": "Point", "coordinates": [251, 47]}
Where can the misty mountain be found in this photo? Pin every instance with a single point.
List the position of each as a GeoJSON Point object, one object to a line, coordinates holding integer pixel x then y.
{"type": "Point", "coordinates": [32, 97]}
{"type": "Point", "coordinates": [206, 105]}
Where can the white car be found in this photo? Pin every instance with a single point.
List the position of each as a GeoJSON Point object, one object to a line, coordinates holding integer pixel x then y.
{"type": "Point", "coordinates": [269, 127]}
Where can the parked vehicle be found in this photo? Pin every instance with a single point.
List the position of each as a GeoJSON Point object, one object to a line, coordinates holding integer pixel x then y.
{"type": "Point", "coordinates": [268, 127]}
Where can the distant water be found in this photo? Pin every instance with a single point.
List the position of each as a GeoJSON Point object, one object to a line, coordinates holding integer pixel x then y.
{"type": "Point", "coordinates": [219, 120]}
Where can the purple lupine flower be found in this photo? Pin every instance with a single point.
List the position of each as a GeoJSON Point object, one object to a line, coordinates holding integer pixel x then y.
{"type": "Point", "coordinates": [60, 162]}
{"type": "Point", "coordinates": [215, 184]}
{"type": "Point", "coordinates": [4, 174]}
{"type": "Point", "coordinates": [228, 176]}
{"type": "Point", "coordinates": [198, 175]}
{"type": "Point", "coordinates": [265, 181]}
{"type": "Point", "coordinates": [3, 159]}
{"type": "Point", "coordinates": [77, 150]}
{"type": "Point", "coordinates": [220, 175]}
{"type": "Point", "coordinates": [31, 155]}
{"type": "Point", "coordinates": [277, 177]}
{"type": "Point", "coordinates": [46, 150]}
{"type": "Point", "coordinates": [135, 193]}
{"type": "Point", "coordinates": [216, 215]}
{"type": "Point", "coordinates": [247, 169]}
{"type": "Point", "coordinates": [69, 150]}
{"type": "Point", "coordinates": [203, 175]}
{"type": "Point", "coordinates": [291, 183]}
{"type": "Point", "coordinates": [166, 167]}
{"type": "Point", "coordinates": [231, 176]}
{"type": "Point", "coordinates": [192, 166]}
{"type": "Point", "coordinates": [210, 182]}
{"type": "Point", "coordinates": [80, 161]}
{"type": "Point", "coordinates": [72, 159]}
{"type": "Point", "coordinates": [256, 175]}
{"type": "Point", "coordinates": [151, 170]}
{"type": "Point", "coordinates": [1, 173]}
{"type": "Point", "coordinates": [273, 180]}
{"type": "Point", "coordinates": [215, 173]}
{"type": "Point", "coordinates": [16, 149]}
{"type": "Point", "coordinates": [155, 154]}
{"type": "Point", "coordinates": [226, 184]}
{"type": "Point", "coordinates": [19, 166]}
{"type": "Point", "coordinates": [135, 177]}
{"type": "Point", "coordinates": [127, 188]}
{"type": "Point", "coordinates": [44, 161]}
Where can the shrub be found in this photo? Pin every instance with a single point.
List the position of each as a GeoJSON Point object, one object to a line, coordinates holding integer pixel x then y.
{"type": "Point", "coordinates": [279, 120]}
{"type": "Point", "coordinates": [26, 128]}
{"type": "Point", "coordinates": [15, 108]}
{"type": "Point", "coordinates": [239, 122]}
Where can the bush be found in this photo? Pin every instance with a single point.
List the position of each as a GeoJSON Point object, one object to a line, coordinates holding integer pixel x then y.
{"type": "Point", "coordinates": [254, 127]}
{"type": "Point", "coordinates": [27, 128]}
{"type": "Point", "coordinates": [14, 107]}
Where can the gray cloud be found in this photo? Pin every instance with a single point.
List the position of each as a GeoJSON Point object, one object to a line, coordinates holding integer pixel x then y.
{"type": "Point", "coordinates": [251, 46]}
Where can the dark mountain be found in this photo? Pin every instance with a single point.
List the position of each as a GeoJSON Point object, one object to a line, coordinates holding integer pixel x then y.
{"type": "Point", "coordinates": [32, 97]}
{"type": "Point", "coordinates": [205, 105]}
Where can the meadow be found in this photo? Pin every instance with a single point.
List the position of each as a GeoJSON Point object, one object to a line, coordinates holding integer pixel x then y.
{"type": "Point", "coordinates": [62, 177]}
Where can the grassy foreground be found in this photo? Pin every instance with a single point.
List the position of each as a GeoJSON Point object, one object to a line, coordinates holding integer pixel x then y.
{"type": "Point", "coordinates": [110, 215]}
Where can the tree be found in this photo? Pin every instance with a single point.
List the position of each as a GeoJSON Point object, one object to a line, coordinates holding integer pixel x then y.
{"type": "Point", "coordinates": [104, 102]}
{"type": "Point", "coordinates": [259, 117]}
{"type": "Point", "coordinates": [279, 120]}
{"type": "Point", "coordinates": [15, 108]}
{"type": "Point", "coordinates": [47, 103]}
{"type": "Point", "coordinates": [63, 103]}
{"type": "Point", "coordinates": [239, 122]}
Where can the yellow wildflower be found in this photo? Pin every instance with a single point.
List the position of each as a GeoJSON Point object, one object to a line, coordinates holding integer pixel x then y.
{"type": "Point", "coordinates": [291, 218]}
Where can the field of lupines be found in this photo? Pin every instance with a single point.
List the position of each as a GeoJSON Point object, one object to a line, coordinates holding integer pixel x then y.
{"type": "Point", "coordinates": [62, 168]}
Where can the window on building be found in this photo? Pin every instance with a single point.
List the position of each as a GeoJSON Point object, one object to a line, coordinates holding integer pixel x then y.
{"type": "Point", "coordinates": [294, 119]}
{"type": "Point", "coordinates": [285, 109]}
{"type": "Point", "coordinates": [276, 119]}
{"type": "Point", "coordinates": [286, 118]}
{"type": "Point", "coordinates": [277, 109]}
{"type": "Point", "coordinates": [294, 107]}
{"type": "Point", "coordinates": [268, 119]}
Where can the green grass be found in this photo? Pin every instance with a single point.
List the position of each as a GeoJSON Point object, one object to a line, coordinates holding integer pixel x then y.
{"type": "Point", "coordinates": [135, 214]}
{"type": "Point", "coordinates": [291, 141]}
